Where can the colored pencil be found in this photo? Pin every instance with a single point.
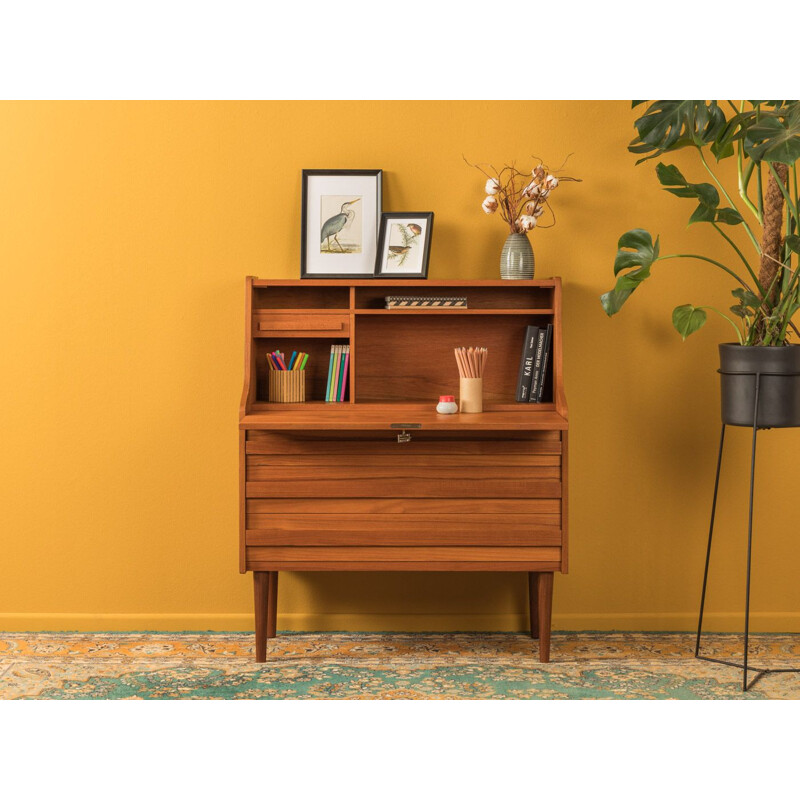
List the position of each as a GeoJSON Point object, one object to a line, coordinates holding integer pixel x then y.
{"type": "Point", "coordinates": [471, 361]}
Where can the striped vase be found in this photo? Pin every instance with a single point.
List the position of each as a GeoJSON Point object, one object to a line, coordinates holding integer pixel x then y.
{"type": "Point", "coordinates": [516, 260]}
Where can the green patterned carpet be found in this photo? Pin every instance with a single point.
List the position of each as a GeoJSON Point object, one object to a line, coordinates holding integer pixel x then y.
{"type": "Point", "coordinates": [387, 666]}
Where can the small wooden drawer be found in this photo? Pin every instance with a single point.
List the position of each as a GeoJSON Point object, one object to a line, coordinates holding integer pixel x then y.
{"type": "Point", "coordinates": [479, 559]}
{"type": "Point", "coordinates": [399, 530]}
{"type": "Point", "coordinates": [269, 323]}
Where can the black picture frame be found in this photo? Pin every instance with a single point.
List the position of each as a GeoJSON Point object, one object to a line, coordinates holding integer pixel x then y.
{"type": "Point", "coordinates": [381, 258]}
{"type": "Point", "coordinates": [308, 262]}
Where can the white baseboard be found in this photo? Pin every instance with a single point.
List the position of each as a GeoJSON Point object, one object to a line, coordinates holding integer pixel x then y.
{"type": "Point", "coordinates": [762, 621]}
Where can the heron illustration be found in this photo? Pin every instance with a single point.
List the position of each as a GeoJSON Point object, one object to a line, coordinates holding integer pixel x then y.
{"type": "Point", "coordinates": [334, 225]}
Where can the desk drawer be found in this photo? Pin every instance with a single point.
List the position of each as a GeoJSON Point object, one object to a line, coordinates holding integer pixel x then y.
{"type": "Point", "coordinates": [429, 466]}
{"type": "Point", "coordinates": [489, 482]}
{"type": "Point", "coordinates": [479, 559]}
{"type": "Point", "coordinates": [382, 443]}
{"type": "Point", "coordinates": [276, 324]}
{"type": "Point", "coordinates": [396, 530]}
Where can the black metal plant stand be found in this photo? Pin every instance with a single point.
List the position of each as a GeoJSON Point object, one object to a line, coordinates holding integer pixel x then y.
{"type": "Point", "coordinates": [743, 666]}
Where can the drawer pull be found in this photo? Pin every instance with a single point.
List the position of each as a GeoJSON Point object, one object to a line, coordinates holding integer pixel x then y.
{"type": "Point", "coordinates": [300, 326]}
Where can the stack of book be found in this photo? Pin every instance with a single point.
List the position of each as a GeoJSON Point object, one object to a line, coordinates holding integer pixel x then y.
{"type": "Point", "coordinates": [337, 373]}
{"type": "Point", "coordinates": [533, 364]}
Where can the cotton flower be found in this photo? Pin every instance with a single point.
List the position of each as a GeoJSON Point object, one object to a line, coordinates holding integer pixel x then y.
{"type": "Point", "coordinates": [539, 211]}
{"type": "Point", "coordinates": [531, 190]}
{"type": "Point", "coordinates": [489, 205]}
{"type": "Point", "coordinates": [543, 194]}
{"type": "Point", "coordinates": [539, 173]}
{"type": "Point", "coordinates": [551, 182]}
{"type": "Point", "coordinates": [492, 186]}
{"type": "Point", "coordinates": [527, 223]}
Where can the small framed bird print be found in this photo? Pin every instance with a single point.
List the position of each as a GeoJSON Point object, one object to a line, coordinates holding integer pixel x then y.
{"type": "Point", "coordinates": [341, 216]}
{"type": "Point", "coordinates": [404, 245]}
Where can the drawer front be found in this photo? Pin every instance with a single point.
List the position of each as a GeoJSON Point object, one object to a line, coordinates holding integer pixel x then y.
{"type": "Point", "coordinates": [417, 559]}
{"type": "Point", "coordinates": [377, 443]}
{"type": "Point", "coordinates": [489, 482]}
{"type": "Point", "coordinates": [315, 501]}
{"type": "Point", "coordinates": [290, 325]}
{"type": "Point", "coordinates": [396, 530]}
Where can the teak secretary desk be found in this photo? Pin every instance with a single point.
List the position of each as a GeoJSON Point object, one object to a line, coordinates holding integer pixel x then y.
{"type": "Point", "coordinates": [381, 481]}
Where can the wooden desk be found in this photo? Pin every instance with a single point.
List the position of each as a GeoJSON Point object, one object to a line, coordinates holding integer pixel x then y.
{"type": "Point", "coordinates": [328, 486]}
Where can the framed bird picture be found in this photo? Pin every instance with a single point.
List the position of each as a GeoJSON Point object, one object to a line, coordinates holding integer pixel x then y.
{"type": "Point", "coordinates": [341, 216]}
{"type": "Point", "coordinates": [404, 245]}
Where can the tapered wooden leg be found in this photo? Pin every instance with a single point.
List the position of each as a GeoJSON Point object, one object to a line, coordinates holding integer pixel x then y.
{"type": "Point", "coordinates": [272, 606]}
{"type": "Point", "coordinates": [261, 597]}
{"type": "Point", "coordinates": [533, 599]}
{"type": "Point", "coordinates": [545, 613]}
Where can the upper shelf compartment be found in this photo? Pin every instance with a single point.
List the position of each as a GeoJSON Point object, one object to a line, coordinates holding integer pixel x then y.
{"type": "Point", "coordinates": [515, 296]}
{"type": "Point", "coordinates": [309, 296]}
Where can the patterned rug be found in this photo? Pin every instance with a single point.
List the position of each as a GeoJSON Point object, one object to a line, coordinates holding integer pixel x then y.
{"type": "Point", "coordinates": [387, 666]}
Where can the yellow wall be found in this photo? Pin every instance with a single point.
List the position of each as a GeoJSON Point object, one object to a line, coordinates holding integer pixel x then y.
{"type": "Point", "coordinates": [126, 231]}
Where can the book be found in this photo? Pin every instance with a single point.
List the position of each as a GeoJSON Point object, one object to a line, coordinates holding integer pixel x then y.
{"type": "Point", "coordinates": [420, 301]}
{"type": "Point", "coordinates": [540, 364]}
{"type": "Point", "coordinates": [526, 364]}
{"type": "Point", "coordinates": [537, 366]}
{"type": "Point", "coordinates": [545, 359]}
{"type": "Point", "coordinates": [330, 375]}
{"type": "Point", "coordinates": [337, 354]}
{"type": "Point", "coordinates": [343, 376]}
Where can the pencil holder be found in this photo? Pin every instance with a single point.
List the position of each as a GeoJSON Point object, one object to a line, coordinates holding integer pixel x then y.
{"type": "Point", "coordinates": [287, 386]}
{"type": "Point", "coordinates": [470, 395]}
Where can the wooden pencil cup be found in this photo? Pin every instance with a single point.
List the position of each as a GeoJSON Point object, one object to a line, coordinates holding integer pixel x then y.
{"type": "Point", "coordinates": [287, 386]}
{"type": "Point", "coordinates": [470, 395]}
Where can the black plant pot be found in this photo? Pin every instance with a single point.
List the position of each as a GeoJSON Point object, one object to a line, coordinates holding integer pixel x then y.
{"type": "Point", "coordinates": [779, 394]}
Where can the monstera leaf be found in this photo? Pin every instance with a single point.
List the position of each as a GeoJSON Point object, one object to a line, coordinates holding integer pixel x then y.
{"type": "Point", "coordinates": [671, 124]}
{"type": "Point", "coordinates": [749, 303]}
{"type": "Point", "coordinates": [732, 131]}
{"type": "Point", "coordinates": [776, 136]}
{"type": "Point", "coordinates": [673, 181]}
{"type": "Point", "coordinates": [688, 319]}
{"type": "Point", "coordinates": [636, 253]}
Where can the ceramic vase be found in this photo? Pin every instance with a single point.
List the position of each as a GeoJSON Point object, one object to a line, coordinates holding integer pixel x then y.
{"type": "Point", "coordinates": [516, 260]}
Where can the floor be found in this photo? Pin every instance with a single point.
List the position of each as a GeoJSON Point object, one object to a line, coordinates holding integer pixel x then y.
{"type": "Point", "coordinates": [208, 665]}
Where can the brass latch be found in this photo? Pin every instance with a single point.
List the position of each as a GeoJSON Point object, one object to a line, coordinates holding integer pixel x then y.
{"type": "Point", "coordinates": [405, 436]}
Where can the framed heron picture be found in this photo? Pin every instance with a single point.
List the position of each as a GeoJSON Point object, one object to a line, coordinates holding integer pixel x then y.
{"type": "Point", "coordinates": [404, 245]}
{"type": "Point", "coordinates": [341, 216]}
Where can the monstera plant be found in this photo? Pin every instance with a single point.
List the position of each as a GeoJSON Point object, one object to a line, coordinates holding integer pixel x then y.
{"type": "Point", "coordinates": [760, 222]}
{"type": "Point", "coordinates": [764, 138]}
